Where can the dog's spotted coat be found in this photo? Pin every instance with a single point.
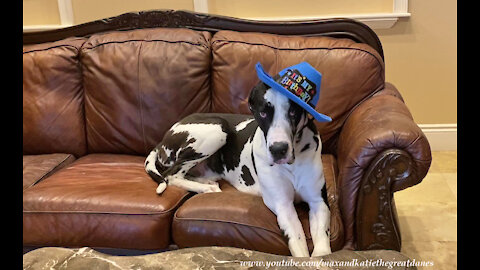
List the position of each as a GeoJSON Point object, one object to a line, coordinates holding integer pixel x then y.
{"type": "Point", "coordinates": [275, 154]}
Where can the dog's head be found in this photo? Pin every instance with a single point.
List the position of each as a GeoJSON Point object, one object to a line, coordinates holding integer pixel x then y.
{"type": "Point", "coordinates": [280, 119]}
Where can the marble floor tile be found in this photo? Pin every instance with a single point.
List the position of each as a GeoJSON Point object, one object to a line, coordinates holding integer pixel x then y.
{"type": "Point", "coordinates": [451, 181]}
{"type": "Point", "coordinates": [444, 161]}
{"type": "Point", "coordinates": [433, 188]}
{"type": "Point", "coordinates": [427, 214]}
{"type": "Point", "coordinates": [443, 254]}
{"type": "Point", "coordinates": [428, 222]}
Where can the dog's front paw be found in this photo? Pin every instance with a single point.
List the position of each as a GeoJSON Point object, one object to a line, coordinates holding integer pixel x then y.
{"type": "Point", "coordinates": [321, 251]}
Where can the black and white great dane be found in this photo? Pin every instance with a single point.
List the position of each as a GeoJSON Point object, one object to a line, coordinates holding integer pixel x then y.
{"type": "Point", "coordinates": [275, 154]}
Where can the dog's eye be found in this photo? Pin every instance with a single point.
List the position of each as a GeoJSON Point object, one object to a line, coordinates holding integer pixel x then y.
{"type": "Point", "coordinates": [263, 114]}
{"type": "Point", "coordinates": [292, 114]}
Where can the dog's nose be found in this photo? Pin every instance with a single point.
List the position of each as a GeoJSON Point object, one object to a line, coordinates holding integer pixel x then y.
{"type": "Point", "coordinates": [278, 150]}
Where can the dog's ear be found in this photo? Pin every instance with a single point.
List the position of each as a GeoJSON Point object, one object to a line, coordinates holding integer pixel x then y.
{"type": "Point", "coordinates": [251, 98]}
{"type": "Point", "coordinates": [303, 120]}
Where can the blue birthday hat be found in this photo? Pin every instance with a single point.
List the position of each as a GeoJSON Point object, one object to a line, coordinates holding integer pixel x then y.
{"type": "Point", "coordinates": [300, 83]}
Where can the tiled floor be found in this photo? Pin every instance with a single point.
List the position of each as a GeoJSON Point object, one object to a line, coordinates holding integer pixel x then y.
{"type": "Point", "coordinates": [427, 214]}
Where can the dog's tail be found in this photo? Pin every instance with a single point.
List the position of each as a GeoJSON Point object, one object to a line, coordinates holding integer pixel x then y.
{"type": "Point", "coordinates": [152, 170]}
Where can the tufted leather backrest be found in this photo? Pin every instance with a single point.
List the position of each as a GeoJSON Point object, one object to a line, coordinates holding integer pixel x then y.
{"type": "Point", "coordinates": [139, 83]}
{"type": "Point", "coordinates": [119, 92]}
{"type": "Point", "coordinates": [350, 71]}
{"type": "Point", "coordinates": [53, 114]}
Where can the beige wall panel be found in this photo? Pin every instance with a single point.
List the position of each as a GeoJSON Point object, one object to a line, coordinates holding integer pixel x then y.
{"type": "Point", "coordinates": [421, 60]}
{"type": "Point", "coordinates": [40, 12]}
{"type": "Point", "coordinates": [90, 10]}
{"type": "Point", "coordinates": [285, 8]}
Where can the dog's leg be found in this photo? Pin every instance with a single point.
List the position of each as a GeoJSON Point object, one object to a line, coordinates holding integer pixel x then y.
{"type": "Point", "coordinates": [152, 170]}
{"type": "Point", "coordinates": [178, 178]}
{"type": "Point", "coordinates": [192, 185]}
{"type": "Point", "coordinates": [278, 195]}
{"type": "Point", "coordinates": [319, 217]}
{"type": "Point", "coordinates": [175, 176]}
{"type": "Point", "coordinates": [288, 221]}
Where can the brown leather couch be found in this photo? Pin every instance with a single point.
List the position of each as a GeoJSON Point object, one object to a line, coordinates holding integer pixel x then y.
{"type": "Point", "coordinates": [99, 96]}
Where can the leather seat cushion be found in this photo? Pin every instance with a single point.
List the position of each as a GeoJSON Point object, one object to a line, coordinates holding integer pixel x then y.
{"type": "Point", "coordinates": [38, 167]}
{"type": "Point", "coordinates": [237, 219]}
{"type": "Point", "coordinates": [101, 200]}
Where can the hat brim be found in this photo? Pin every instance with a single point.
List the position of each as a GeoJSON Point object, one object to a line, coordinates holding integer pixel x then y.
{"type": "Point", "coordinates": [264, 77]}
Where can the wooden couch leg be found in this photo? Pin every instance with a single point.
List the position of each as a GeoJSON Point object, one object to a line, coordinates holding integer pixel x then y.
{"type": "Point", "coordinates": [376, 217]}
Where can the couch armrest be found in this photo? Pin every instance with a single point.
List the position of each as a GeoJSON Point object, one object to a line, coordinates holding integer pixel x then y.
{"type": "Point", "coordinates": [380, 147]}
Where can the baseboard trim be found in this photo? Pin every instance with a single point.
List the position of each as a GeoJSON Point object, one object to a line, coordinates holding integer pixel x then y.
{"type": "Point", "coordinates": [442, 137]}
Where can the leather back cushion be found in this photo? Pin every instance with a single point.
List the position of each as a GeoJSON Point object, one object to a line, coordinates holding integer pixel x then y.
{"type": "Point", "coordinates": [53, 115]}
{"type": "Point", "coordinates": [351, 71]}
{"type": "Point", "coordinates": [139, 83]}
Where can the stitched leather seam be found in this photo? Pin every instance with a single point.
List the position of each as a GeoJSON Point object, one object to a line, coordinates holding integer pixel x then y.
{"type": "Point", "coordinates": [53, 47]}
{"type": "Point", "coordinates": [140, 101]}
{"type": "Point", "coordinates": [46, 173]}
{"type": "Point", "coordinates": [413, 142]}
{"type": "Point", "coordinates": [301, 49]}
{"type": "Point", "coordinates": [143, 40]}
{"type": "Point", "coordinates": [84, 96]}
